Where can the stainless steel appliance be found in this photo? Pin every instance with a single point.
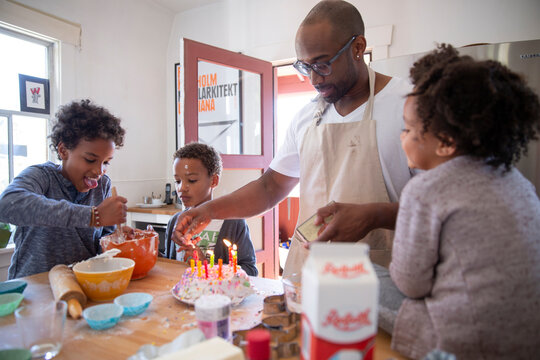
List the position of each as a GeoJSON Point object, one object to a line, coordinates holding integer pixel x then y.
{"type": "Point", "coordinates": [521, 56]}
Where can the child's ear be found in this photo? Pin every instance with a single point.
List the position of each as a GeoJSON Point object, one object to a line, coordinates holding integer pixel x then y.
{"type": "Point", "coordinates": [62, 151]}
{"type": "Point", "coordinates": [215, 181]}
{"type": "Point", "coordinates": [446, 148]}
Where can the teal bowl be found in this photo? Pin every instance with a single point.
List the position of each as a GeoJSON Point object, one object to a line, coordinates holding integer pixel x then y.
{"type": "Point", "coordinates": [12, 286]}
{"type": "Point", "coordinates": [15, 354]}
{"type": "Point", "coordinates": [104, 316]}
{"type": "Point", "coordinates": [9, 302]}
{"type": "Point", "coordinates": [134, 303]}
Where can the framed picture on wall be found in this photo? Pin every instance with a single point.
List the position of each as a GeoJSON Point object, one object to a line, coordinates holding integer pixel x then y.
{"type": "Point", "coordinates": [34, 94]}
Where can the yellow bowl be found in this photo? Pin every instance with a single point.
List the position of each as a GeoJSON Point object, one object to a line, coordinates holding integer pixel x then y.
{"type": "Point", "coordinates": [104, 279]}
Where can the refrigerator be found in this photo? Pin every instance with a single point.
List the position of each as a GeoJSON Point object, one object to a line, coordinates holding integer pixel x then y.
{"type": "Point", "coordinates": [522, 57]}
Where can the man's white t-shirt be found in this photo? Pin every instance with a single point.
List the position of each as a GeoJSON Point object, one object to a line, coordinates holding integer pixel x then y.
{"type": "Point", "coordinates": [388, 114]}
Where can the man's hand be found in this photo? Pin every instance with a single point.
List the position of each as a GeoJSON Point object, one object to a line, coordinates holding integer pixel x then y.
{"type": "Point", "coordinates": [350, 222]}
{"type": "Point", "coordinates": [190, 223]}
{"type": "Point", "coordinates": [189, 250]}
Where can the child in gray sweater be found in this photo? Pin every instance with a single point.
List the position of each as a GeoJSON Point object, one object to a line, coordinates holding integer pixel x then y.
{"type": "Point", "coordinates": [61, 211]}
{"type": "Point", "coordinates": [466, 252]}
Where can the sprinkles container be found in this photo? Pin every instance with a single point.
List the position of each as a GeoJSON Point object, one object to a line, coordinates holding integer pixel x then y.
{"type": "Point", "coordinates": [213, 313]}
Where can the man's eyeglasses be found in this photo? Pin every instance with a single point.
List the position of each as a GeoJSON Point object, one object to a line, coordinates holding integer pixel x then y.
{"type": "Point", "coordinates": [321, 68]}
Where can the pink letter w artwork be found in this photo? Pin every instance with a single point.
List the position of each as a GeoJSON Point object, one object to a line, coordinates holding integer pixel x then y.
{"type": "Point", "coordinates": [35, 94]}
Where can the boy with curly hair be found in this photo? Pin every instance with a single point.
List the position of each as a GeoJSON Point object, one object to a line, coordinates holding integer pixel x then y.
{"type": "Point", "coordinates": [466, 252]}
{"type": "Point", "coordinates": [61, 211]}
{"type": "Point", "coordinates": [197, 168]}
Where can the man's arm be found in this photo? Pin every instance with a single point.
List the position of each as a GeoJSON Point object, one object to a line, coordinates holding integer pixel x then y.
{"type": "Point", "coordinates": [252, 199]}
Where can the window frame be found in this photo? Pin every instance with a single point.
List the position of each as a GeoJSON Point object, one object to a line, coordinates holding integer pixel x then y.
{"type": "Point", "coordinates": [52, 50]}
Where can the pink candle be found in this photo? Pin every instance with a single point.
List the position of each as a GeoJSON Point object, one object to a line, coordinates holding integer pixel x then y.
{"type": "Point", "coordinates": [195, 255]}
{"type": "Point", "coordinates": [206, 269]}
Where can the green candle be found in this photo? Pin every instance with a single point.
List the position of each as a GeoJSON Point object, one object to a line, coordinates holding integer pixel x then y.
{"type": "Point", "coordinates": [212, 260]}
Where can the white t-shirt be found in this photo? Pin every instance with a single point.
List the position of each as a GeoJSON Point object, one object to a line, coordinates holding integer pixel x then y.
{"type": "Point", "coordinates": [388, 114]}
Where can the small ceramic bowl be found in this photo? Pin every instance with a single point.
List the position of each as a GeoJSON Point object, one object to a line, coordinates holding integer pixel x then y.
{"type": "Point", "coordinates": [103, 316]}
{"type": "Point", "coordinates": [9, 302]}
{"type": "Point", "coordinates": [134, 303]}
{"type": "Point", "coordinates": [15, 354]}
{"type": "Point", "coordinates": [12, 286]}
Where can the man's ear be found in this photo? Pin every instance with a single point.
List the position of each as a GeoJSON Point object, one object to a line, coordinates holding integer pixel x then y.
{"type": "Point", "coordinates": [446, 148]}
{"type": "Point", "coordinates": [215, 181]}
{"type": "Point", "coordinates": [359, 47]}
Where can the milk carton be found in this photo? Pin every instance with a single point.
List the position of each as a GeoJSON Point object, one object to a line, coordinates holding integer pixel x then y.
{"type": "Point", "coordinates": [339, 303]}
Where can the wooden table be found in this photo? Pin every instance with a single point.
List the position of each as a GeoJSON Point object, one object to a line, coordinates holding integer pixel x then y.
{"type": "Point", "coordinates": [163, 321]}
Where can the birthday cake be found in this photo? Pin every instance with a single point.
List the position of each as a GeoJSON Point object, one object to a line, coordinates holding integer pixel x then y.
{"type": "Point", "coordinates": [194, 283]}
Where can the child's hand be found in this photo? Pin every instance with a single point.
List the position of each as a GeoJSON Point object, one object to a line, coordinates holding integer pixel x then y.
{"type": "Point", "coordinates": [112, 211]}
{"type": "Point", "coordinates": [189, 252]}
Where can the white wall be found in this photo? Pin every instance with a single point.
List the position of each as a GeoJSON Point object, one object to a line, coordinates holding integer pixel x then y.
{"type": "Point", "coordinates": [121, 65]}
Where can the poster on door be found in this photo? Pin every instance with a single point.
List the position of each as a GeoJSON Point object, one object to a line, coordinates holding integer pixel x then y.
{"type": "Point", "coordinates": [219, 107]}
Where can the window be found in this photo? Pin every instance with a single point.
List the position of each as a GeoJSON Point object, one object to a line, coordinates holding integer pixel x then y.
{"type": "Point", "coordinates": [23, 135]}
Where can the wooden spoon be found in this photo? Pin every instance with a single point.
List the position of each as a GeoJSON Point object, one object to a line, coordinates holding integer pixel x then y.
{"type": "Point", "coordinates": [119, 235]}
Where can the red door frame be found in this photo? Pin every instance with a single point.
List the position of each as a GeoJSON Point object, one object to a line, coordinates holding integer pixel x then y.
{"type": "Point", "coordinates": [195, 51]}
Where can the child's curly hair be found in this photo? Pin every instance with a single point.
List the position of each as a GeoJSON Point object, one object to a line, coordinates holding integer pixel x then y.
{"type": "Point", "coordinates": [84, 120]}
{"type": "Point", "coordinates": [207, 154]}
{"type": "Point", "coordinates": [487, 110]}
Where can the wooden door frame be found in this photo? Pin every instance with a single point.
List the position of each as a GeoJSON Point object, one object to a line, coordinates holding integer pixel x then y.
{"type": "Point", "coordinates": [193, 52]}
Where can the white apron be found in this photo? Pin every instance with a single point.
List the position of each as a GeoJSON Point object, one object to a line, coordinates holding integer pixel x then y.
{"type": "Point", "coordinates": [340, 162]}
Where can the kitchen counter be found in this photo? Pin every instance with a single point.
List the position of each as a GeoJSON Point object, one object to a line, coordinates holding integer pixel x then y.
{"type": "Point", "coordinates": [163, 321]}
{"type": "Point", "coordinates": [160, 215]}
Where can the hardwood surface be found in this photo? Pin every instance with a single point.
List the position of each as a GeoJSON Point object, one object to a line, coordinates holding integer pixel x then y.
{"type": "Point", "coordinates": [163, 321]}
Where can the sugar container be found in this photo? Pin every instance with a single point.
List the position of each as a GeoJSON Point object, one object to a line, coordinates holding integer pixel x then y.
{"type": "Point", "coordinates": [213, 313]}
{"type": "Point", "coordinates": [340, 293]}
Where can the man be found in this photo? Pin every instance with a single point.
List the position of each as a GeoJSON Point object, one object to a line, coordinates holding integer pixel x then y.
{"type": "Point", "coordinates": [344, 147]}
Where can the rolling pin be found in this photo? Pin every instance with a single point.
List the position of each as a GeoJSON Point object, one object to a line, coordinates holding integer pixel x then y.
{"type": "Point", "coordinates": [65, 287]}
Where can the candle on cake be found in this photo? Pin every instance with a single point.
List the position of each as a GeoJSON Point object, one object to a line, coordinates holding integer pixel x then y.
{"type": "Point", "coordinates": [228, 245]}
{"type": "Point", "coordinates": [211, 258]}
{"type": "Point", "coordinates": [235, 258]}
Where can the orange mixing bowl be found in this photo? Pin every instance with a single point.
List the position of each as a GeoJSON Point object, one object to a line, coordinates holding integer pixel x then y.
{"type": "Point", "coordinates": [141, 247]}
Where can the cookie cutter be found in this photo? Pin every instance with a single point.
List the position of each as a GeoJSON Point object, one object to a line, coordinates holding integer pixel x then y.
{"type": "Point", "coordinates": [277, 322]}
{"type": "Point", "coordinates": [274, 304]}
{"type": "Point", "coordinates": [287, 349]}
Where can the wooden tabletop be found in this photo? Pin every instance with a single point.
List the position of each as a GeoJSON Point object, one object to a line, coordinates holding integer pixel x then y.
{"type": "Point", "coordinates": [162, 322]}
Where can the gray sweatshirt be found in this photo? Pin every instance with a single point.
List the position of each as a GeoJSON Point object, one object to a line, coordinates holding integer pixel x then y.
{"type": "Point", "coordinates": [467, 256]}
{"type": "Point", "coordinates": [52, 219]}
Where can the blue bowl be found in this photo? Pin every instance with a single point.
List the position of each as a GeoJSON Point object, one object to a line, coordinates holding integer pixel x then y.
{"type": "Point", "coordinates": [9, 302]}
{"type": "Point", "coordinates": [134, 303]}
{"type": "Point", "coordinates": [12, 286]}
{"type": "Point", "coordinates": [103, 316]}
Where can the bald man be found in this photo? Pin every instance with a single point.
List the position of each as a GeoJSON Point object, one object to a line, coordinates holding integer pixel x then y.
{"type": "Point", "coordinates": [342, 147]}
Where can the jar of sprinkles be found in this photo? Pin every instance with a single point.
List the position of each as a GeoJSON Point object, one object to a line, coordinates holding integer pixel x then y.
{"type": "Point", "coordinates": [213, 313]}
